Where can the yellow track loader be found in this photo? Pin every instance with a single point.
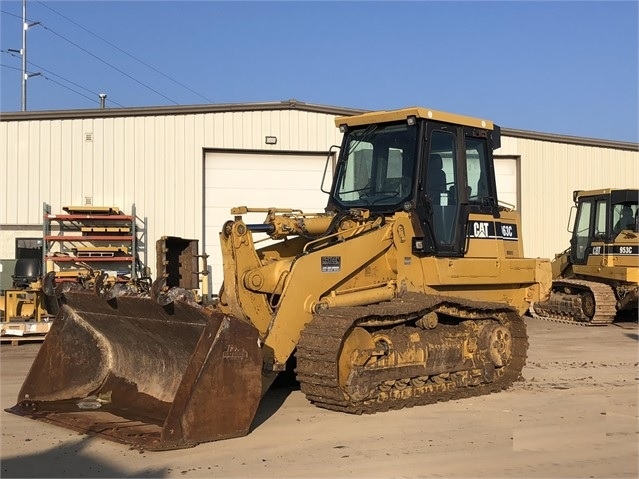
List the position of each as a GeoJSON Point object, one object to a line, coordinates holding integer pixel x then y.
{"type": "Point", "coordinates": [408, 289]}
{"type": "Point", "coordinates": [598, 276]}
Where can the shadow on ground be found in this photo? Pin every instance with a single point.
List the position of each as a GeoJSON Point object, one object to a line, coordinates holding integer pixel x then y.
{"type": "Point", "coordinates": [69, 460]}
{"type": "Point", "coordinates": [283, 385]}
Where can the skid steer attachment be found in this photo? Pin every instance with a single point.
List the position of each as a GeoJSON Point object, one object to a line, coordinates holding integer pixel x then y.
{"type": "Point", "coordinates": [156, 377]}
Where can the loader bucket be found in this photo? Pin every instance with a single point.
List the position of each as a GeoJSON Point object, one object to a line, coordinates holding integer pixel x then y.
{"type": "Point", "coordinates": [156, 377]}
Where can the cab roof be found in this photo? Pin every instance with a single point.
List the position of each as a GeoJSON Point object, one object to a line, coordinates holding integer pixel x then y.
{"type": "Point", "coordinates": [386, 116]}
{"type": "Point", "coordinates": [617, 194]}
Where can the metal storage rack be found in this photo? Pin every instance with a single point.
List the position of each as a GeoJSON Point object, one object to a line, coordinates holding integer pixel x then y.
{"type": "Point", "coordinates": [87, 238]}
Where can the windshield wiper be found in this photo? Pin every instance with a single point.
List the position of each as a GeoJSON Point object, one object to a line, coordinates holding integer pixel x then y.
{"type": "Point", "coordinates": [365, 135]}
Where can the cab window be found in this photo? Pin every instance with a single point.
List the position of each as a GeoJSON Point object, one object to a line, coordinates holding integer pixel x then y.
{"type": "Point", "coordinates": [379, 166]}
{"type": "Point", "coordinates": [600, 219]}
{"type": "Point", "coordinates": [441, 185]}
{"type": "Point", "coordinates": [477, 171]}
{"type": "Point", "coordinates": [624, 217]}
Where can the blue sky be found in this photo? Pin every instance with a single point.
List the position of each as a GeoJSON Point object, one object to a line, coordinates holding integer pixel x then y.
{"type": "Point", "coordinates": [558, 67]}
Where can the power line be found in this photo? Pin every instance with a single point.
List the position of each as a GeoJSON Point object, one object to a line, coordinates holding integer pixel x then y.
{"type": "Point", "coordinates": [52, 80]}
{"type": "Point", "coordinates": [11, 14]}
{"type": "Point", "coordinates": [128, 54]}
{"type": "Point", "coordinates": [11, 52]}
{"type": "Point", "coordinates": [62, 78]}
{"type": "Point", "coordinates": [101, 60]}
{"type": "Point", "coordinates": [108, 64]}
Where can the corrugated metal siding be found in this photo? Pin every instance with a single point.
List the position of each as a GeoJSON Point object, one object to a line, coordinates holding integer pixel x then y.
{"type": "Point", "coordinates": [550, 171]}
{"type": "Point", "coordinates": [154, 162]}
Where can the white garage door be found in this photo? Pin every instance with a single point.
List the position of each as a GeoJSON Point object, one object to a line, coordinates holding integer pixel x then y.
{"type": "Point", "coordinates": [507, 176]}
{"type": "Point", "coordinates": [262, 180]}
{"type": "Point", "coordinates": [256, 180]}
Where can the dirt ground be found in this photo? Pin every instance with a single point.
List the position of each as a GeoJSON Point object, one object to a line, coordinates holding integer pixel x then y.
{"type": "Point", "coordinates": [574, 415]}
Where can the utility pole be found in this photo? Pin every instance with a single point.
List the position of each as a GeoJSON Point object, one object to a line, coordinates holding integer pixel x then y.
{"type": "Point", "coordinates": [23, 52]}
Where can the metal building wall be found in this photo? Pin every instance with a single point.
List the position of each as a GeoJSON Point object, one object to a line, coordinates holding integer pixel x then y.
{"type": "Point", "coordinates": [549, 172]}
{"type": "Point", "coordinates": [154, 162]}
{"type": "Point", "coordinates": [154, 159]}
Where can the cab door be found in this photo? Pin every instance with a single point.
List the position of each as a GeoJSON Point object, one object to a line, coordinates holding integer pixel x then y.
{"type": "Point", "coordinates": [590, 225]}
{"type": "Point", "coordinates": [443, 177]}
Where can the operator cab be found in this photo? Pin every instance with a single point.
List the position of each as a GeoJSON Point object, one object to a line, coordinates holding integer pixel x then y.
{"type": "Point", "coordinates": [601, 215]}
{"type": "Point", "coordinates": [437, 164]}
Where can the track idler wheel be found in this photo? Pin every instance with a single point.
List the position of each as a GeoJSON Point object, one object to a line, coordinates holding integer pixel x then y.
{"type": "Point", "coordinates": [356, 351]}
{"type": "Point", "coordinates": [499, 344]}
{"type": "Point", "coordinates": [588, 304]}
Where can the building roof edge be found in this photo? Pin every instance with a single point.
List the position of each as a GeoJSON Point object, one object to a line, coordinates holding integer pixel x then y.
{"type": "Point", "coordinates": [291, 104]}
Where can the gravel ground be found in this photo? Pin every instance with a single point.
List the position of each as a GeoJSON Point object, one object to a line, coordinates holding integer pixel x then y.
{"type": "Point", "coordinates": [573, 415]}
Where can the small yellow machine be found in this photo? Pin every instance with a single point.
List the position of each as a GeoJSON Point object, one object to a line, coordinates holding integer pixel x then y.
{"type": "Point", "coordinates": [25, 308]}
{"type": "Point", "coordinates": [408, 289]}
{"type": "Point", "coordinates": [598, 275]}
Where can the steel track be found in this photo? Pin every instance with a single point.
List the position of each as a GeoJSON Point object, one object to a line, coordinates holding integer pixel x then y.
{"type": "Point", "coordinates": [320, 344]}
{"type": "Point", "coordinates": [605, 305]}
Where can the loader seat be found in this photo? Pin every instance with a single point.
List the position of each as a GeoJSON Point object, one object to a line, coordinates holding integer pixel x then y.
{"type": "Point", "coordinates": [26, 271]}
{"type": "Point", "coordinates": [436, 178]}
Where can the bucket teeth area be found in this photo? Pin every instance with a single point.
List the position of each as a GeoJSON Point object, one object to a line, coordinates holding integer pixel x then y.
{"type": "Point", "coordinates": [153, 376]}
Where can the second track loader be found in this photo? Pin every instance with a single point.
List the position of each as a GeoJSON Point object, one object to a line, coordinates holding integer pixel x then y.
{"type": "Point", "coordinates": [408, 289]}
{"type": "Point", "coordinates": [598, 276]}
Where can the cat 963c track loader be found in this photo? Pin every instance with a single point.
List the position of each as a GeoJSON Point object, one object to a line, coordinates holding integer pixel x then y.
{"type": "Point", "coordinates": [408, 289]}
{"type": "Point", "coordinates": [598, 275]}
